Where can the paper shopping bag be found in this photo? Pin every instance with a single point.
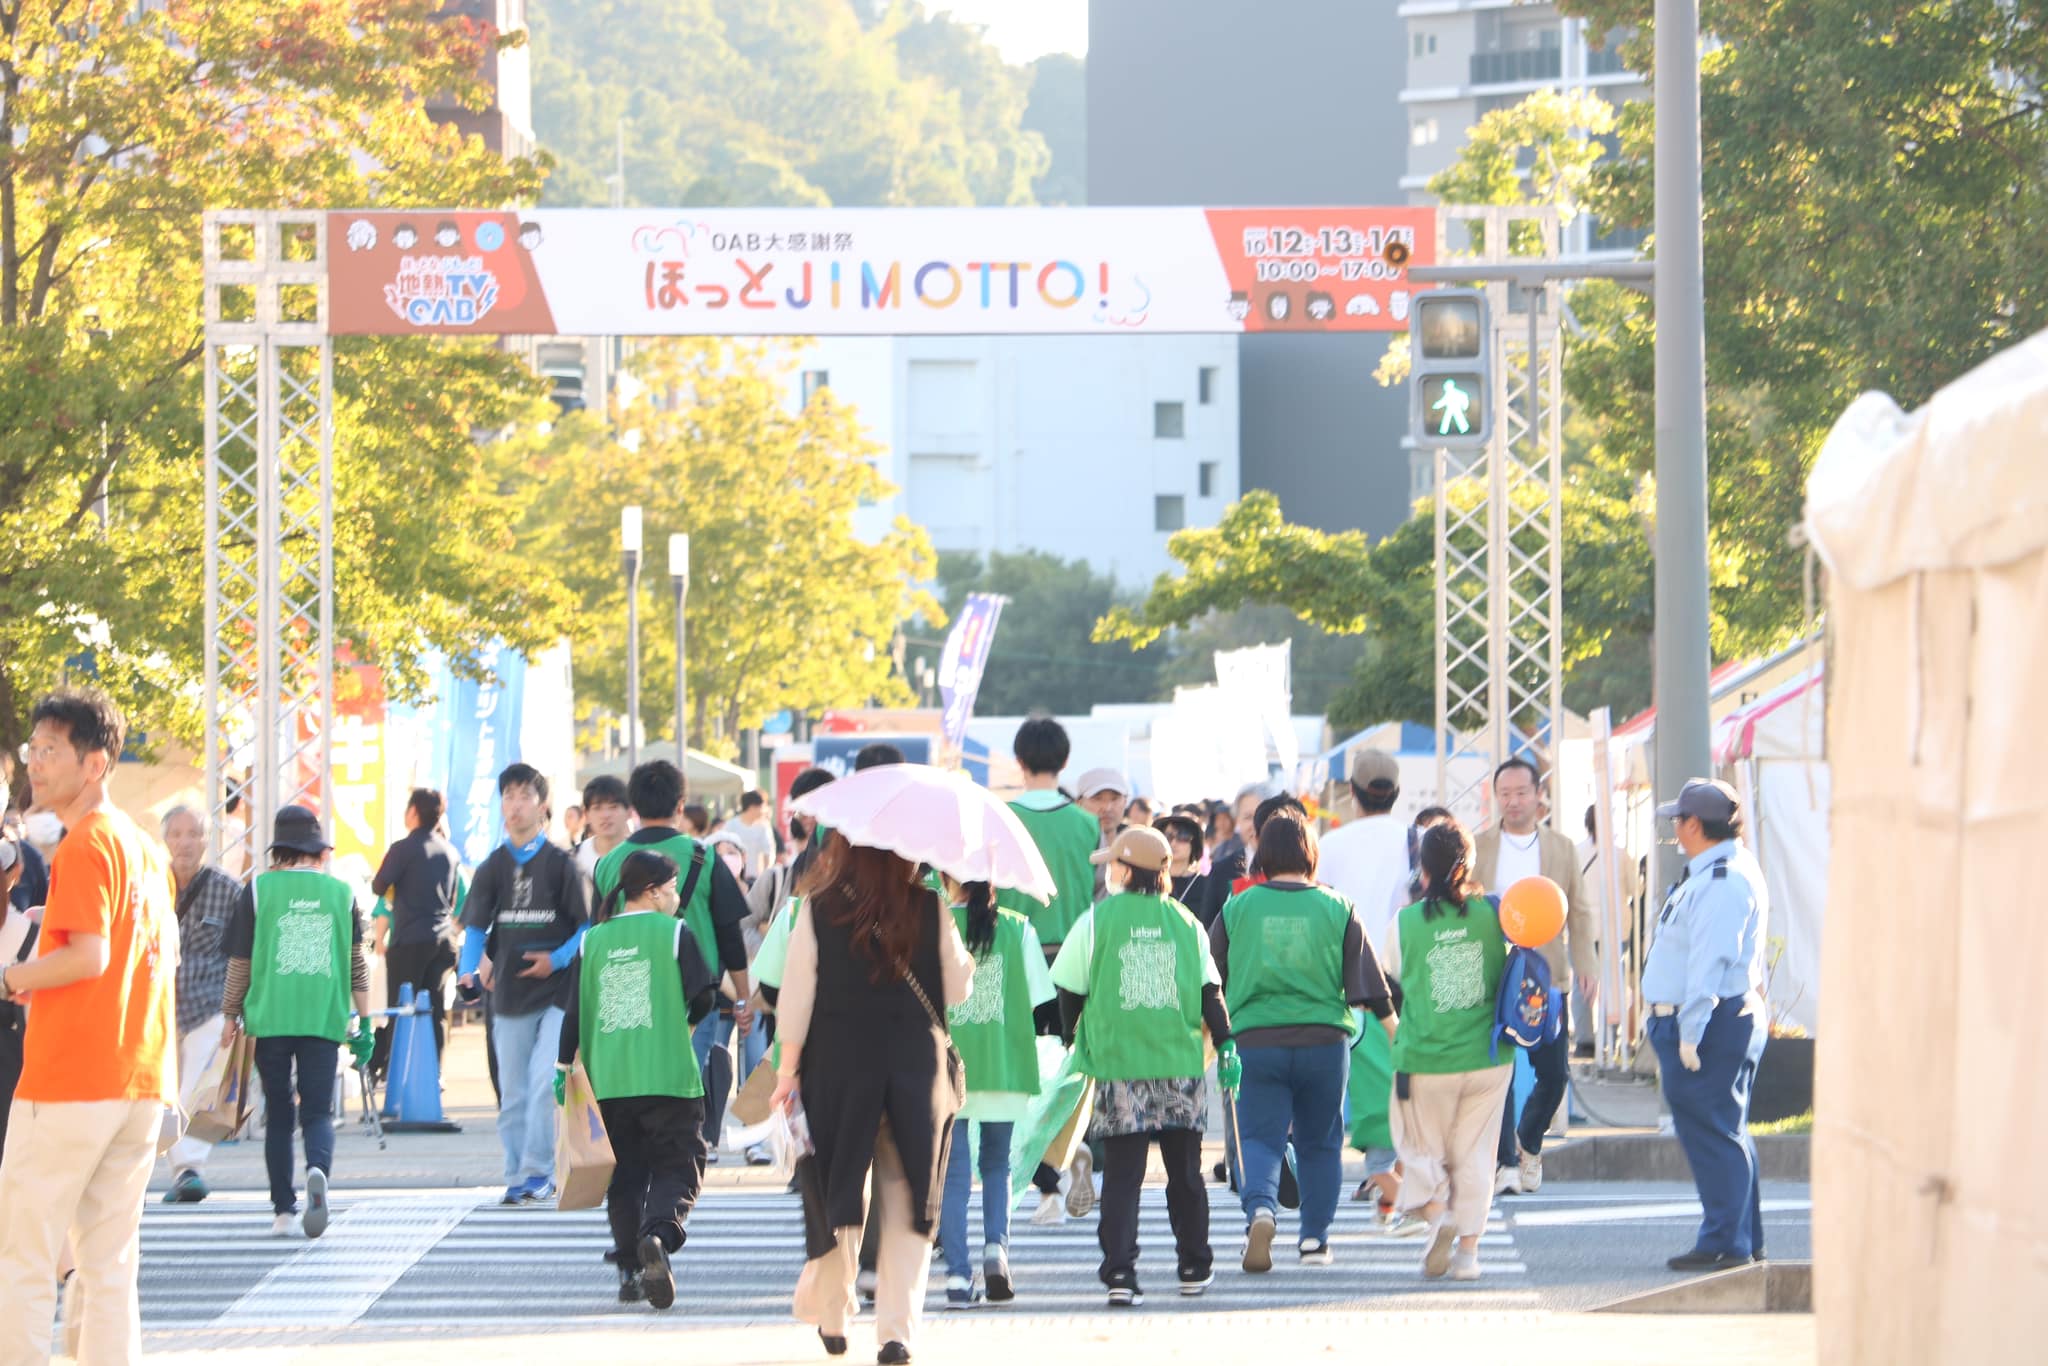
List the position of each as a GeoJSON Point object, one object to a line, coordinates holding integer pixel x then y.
{"type": "Point", "coordinates": [750, 1106]}
{"type": "Point", "coordinates": [222, 1102]}
{"type": "Point", "coordinates": [583, 1151]}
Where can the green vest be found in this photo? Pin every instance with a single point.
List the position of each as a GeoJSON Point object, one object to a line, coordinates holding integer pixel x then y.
{"type": "Point", "coordinates": [1450, 984]}
{"type": "Point", "coordinates": [696, 914]}
{"type": "Point", "coordinates": [1067, 837]}
{"type": "Point", "coordinates": [992, 1028]}
{"type": "Point", "coordinates": [1144, 1015]}
{"type": "Point", "coordinates": [299, 966]}
{"type": "Point", "coordinates": [1286, 958]}
{"type": "Point", "coordinates": [634, 1026]}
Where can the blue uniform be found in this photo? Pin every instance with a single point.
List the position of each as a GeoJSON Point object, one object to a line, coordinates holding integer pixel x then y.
{"type": "Point", "coordinates": [1707, 959]}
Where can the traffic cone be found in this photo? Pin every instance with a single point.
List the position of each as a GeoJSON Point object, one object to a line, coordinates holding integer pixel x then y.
{"type": "Point", "coordinates": [395, 1062]}
{"type": "Point", "coordinates": [419, 1091]}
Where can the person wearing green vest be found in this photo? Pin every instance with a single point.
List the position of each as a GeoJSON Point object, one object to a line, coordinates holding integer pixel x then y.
{"type": "Point", "coordinates": [1137, 985]}
{"type": "Point", "coordinates": [1295, 962]}
{"type": "Point", "coordinates": [1068, 836]}
{"type": "Point", "coordinates": [1448, 1089]}
{"type": "Point", "coordinates": [637, 988]}
{"type": "Point", "coordinates": [715, 909]}
{"type": "Point", "coordinates": [295, 968]}
{"type": "Point", "coordinates": [993, 1030]}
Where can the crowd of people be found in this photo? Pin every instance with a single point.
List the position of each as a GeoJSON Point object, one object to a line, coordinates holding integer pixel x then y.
{"type": "Point", "coordinates": [1326, 987]}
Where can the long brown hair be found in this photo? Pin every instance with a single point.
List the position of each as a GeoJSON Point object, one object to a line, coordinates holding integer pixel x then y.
{"type": "Point", "coordinates": [871, 893]}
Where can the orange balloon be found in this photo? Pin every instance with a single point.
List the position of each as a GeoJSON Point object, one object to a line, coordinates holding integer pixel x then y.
{"type": "Point", "coordinates": [1532, 912]}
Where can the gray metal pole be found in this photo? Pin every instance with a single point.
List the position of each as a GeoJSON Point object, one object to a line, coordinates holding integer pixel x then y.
{"type": "Point", "coordinates": [632, 659]}
{"type": "Point", "coordinates": [1683, 660]}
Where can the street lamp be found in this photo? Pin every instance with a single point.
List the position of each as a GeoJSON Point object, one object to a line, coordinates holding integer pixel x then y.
{"type": "Point", "coordinates": [679, 575]}
{"type": "Point", "coordinates": [629, 541]}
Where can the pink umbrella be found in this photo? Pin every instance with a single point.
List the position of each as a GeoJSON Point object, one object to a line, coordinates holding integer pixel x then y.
{"type": "Point", "coordinates": [930, 815]}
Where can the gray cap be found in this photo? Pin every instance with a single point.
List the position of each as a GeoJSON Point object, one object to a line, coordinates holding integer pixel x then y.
{"type": "Point", "coordinates": [1097, 780]}
{"type": "Point", "coordinates": [1375, 767]}
{"type": "Point", "coordinates": [1708, 799]}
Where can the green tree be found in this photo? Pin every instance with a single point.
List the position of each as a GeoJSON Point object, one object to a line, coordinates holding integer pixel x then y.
{"type": "Point", "coordinates": [1043, 658]}
{"type": "Point", "coordinates": [1875, 176]}
{"type": "Point", "coordinates": [118, 126]}
{"type": "Point", "coordinates": [787, 607]}
{"type": "Point", "coordinates": [778, 102]}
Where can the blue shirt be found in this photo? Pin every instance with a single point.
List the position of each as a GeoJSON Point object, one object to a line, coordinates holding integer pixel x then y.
{"type": "Point", "coordinates": [1709, 944]}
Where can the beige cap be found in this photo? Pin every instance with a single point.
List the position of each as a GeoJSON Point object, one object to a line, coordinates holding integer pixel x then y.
{"type": "Point", "coordinates": [1369, 766]}
{"type": "Point", "coordinates": [1138, 845]}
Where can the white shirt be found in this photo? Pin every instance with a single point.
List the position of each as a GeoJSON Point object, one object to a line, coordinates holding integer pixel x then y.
{"type": "Point", "coordinates": [1367, 860]}
{"type": "Point", "coordinates": [1520, 856]}
{"type": "Point", "coordinates": [756, 840]}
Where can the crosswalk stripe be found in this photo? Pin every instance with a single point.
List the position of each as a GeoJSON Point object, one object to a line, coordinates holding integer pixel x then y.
{"type": "Point", "coordinates": [459, 1258]}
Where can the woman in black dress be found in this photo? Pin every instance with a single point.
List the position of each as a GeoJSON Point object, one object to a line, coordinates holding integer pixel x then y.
{"type": "Point", "coordinates": [874, 962]}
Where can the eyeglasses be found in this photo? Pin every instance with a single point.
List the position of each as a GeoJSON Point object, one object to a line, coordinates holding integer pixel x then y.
{"type": "Point", "coordinates": [33, 753]}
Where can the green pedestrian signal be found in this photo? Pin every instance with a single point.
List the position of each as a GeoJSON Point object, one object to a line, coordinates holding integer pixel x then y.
{"type": "Point", "coordinates": [1450, 346]}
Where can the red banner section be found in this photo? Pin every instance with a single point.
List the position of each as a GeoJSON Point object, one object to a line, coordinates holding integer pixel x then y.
{"type": "Point", "coordinates": [1322, 270]}
{"type": "Point", "coordinates": [449, 272]}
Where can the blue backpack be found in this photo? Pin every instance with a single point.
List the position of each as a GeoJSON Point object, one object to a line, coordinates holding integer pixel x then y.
{"type": "Point", "coordinates": [1529, 1010]}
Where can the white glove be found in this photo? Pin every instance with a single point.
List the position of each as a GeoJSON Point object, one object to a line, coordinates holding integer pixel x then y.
{"type": "Point", "coordinates": [1689, 1056]}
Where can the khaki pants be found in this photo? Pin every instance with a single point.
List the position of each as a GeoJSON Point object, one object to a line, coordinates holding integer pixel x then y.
{"type": "Point", "coordinates": [1446, 1132]}
{"type": "Point", "coordinates": [196, 1052]}
{"type": "Point", "coordinates": [79, 1167]}
{"type": "Point", "coordinates": [825, 1290]}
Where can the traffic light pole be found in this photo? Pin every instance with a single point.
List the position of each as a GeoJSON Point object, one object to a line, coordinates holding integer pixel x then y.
{"type": "Point", "coordinates": [1683, 657]}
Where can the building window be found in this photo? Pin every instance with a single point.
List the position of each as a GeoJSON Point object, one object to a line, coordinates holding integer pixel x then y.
{"type": "Point", "coordinates": [1169, 420]}
{"type": "Point", "coordinates": [1169, 512]}
{"type": "Point", "coordinates": [1425, 44]}
{"type": "Point", "coordinates": [814, 380]}
{"type": "Point", "coordinates": [1205, 384]}
{"type": "Point", "coordinates": [1205, 477]}
{"type": "Point", "coordinates": [1422, 132]}
{"type": "Point", "coordinates": [865, 500]}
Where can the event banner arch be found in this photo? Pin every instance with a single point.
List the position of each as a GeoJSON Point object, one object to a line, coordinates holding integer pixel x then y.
{"type": "Point", "coordinates": [859, 272]}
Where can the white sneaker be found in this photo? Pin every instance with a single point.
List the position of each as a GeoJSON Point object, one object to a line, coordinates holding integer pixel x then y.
{"type": "Point", "coordinates": [1465, 1265]}
{"type": "Point", "coordinates": [1050, 1210]}
{"type": "Point", "coordinates": [284, 1225]}
{"type": "Point", "coordinates": [1258, 1243]}
{"type": "Point", "coordinates": [1507, 1181]}
{"type": "Point", "coordinates": [1081, 1184]}
{"type": "Point", "coordinates": [1405, 1226]}
{"type": "Point", "coordinates": [1531, 1173]}
{"type": "Point", "coordinates": [315, 1222]}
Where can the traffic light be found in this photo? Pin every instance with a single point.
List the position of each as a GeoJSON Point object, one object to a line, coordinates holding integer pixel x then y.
{"type": "Point", "coordinates": [1451, 368]}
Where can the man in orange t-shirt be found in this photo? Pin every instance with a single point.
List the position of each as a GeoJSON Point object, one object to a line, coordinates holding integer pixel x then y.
{"type": "Point", "coordinates": [99, 1057]}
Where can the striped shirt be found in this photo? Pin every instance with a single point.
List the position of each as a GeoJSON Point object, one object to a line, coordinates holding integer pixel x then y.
{"type": "Point", "coordinates": [205, 905]}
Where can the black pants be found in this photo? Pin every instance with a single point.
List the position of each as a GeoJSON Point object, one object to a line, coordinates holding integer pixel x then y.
{"type": "Point", "coordinates": [424, 967]}
{"type": "Point", "coordinates": [1187, 1200]}
{"type": "Point", "coordinates": [1553, 1064]}
{"type": "Point", "coordinates": [10, 1062]}
{"type": "Point", "coordinates": [313, 1062]}
{"type": "Point", "coordinates": [658, 1143]}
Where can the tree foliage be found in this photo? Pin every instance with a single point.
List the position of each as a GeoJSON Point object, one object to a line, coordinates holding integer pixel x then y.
{"type": "Point", "coordinates": [780, 102]}
{"type": "Point", "coordinates": [119, 124]}
{"type": "Point", "coordinates": [786, 606]}
{"type": "Point", "coordinates": [1042, 659]}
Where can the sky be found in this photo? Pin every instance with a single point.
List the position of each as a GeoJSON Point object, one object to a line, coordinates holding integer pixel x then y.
{"type": "Point", "coordinates": [1025, 29]}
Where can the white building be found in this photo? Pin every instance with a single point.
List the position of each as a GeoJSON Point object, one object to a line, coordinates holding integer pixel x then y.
{"type": "Point", "coordinates": [1088, 448]}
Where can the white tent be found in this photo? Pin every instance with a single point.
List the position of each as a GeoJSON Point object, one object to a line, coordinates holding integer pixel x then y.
{"type": "Point", "coordinates": [1771, 750]}
{"type": "Point", "coordinates": [1930, 1227]}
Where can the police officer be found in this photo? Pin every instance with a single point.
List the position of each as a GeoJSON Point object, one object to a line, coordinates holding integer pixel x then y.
{"type": "Point", "coordinates": [1703, 982]}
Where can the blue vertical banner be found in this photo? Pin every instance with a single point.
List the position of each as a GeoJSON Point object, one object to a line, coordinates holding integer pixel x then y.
{"type": "Point", "coordinates": [479, 726]}
{"type": "Point", "coordinates": [965, 656]}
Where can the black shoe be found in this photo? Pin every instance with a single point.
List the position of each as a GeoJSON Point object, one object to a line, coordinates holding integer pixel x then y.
{"type": "Point", "coordinates": [1193, 1282]}
{"type": "Point", "coordinates": [1290, 1192]}
{"type": "Point", "coordinates": [893, 1354]}
{"type": "Point", "coordinates": [629, 1285]}
{"type": "Point", "coordinates": [835, 1346]}
{"type": "Point", "coordinates": [655, 1277]}
{"type": "Point", "coordinates": [1701, 1260]}
{"type": "Point", "coordinates": [1220, 1173]}
{"type": "Point", "coordinates": [995, 1275]}
{"type": "Point", "coordinates": [1123, 1290]}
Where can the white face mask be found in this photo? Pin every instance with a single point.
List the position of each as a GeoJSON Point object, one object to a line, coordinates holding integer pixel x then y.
{"type": "Point", "coordinates": [42, 827]}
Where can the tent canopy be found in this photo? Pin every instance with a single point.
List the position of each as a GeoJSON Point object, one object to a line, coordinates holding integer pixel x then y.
{"type": "Point", "coordinates": [1785, 723]}
{"type": "Point", "coordinates": [706, 776]}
